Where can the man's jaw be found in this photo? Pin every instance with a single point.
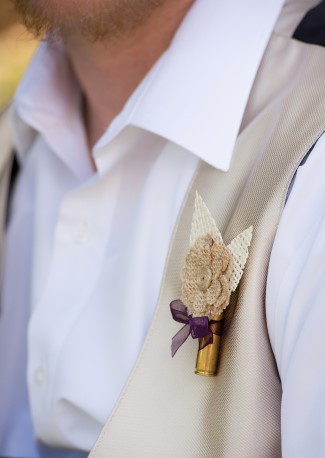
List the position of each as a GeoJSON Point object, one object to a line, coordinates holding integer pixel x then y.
{"type": "Point", "coordinates": [95, 20]}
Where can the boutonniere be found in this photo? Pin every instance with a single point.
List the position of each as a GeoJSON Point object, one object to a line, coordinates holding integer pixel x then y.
{"type": "Point", "coordinates": [211, 273]}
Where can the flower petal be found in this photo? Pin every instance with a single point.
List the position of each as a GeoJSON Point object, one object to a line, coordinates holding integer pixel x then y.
{"type": "Point", "coordinates": [239, 250]}
{"type": "Point", "coordinates": [203, 222]}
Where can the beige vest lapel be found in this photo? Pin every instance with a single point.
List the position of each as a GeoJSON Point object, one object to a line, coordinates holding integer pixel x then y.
{"type": "Point", "coordinates": [167, 411]}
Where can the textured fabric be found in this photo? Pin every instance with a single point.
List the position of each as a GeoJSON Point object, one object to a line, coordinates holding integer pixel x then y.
{"type": "Point", "coordinates": [212, 271]}
{"type": "Point", "coordinates": [203, 223]}
{"type": "Point", "coordinates": [238, 248]}
{"type": "Point", "coordinates": [236, 414]}
{"type": "Point", "coordinates": [206, 277]}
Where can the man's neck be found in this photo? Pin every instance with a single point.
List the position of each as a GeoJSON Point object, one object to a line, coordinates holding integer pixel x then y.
{"type": "Point", "coordinates": [108, 72]}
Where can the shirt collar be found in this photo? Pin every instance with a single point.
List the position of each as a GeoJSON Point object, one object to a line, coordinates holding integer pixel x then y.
{"type": "Point", "coordinates": [195, 95]}
{"type": "Point", "coordinates": [198, 95]}
{"type": "Point", "coordinates": [48, 101]}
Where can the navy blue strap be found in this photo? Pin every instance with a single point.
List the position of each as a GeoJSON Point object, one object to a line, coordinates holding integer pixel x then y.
{"type": "Point", "coordinates": [294, 177]}
{"type": "Point", "coordinates": [49, 452]}
{"type": "Point", "coordinates": [12, 181]}
{"type": "Point", "coordinates": [312, 27]}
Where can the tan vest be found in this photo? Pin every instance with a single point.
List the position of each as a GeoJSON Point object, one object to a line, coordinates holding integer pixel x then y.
{"type": "Point", "coordinates": [165, 410]}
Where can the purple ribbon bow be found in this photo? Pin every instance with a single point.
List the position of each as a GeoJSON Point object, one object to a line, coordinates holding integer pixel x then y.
{"type": "Point", "coordinates": [198, 327]}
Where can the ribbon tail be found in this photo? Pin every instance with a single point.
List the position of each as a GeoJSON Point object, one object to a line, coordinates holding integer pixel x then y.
{"type": "Point", "coordinates": [206, 340]}
{"type": "Point", "coordinates": [180, 338]}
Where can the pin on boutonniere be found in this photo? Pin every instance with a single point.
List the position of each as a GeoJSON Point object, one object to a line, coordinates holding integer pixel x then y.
{"type": "Point", "coordinates": [211, 273]}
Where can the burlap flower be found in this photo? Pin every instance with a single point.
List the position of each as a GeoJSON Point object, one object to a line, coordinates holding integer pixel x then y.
{"type": "Point", "coordinates": [206, 275]}
{"type": "Point", "coordinates": [211, 273]}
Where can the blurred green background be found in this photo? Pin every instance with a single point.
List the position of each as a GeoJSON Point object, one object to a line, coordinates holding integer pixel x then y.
{"type": "Point", "coordinates": [16, 49]}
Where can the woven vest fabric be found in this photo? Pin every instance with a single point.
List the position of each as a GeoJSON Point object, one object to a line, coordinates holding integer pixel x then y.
{"type": "Point", "coordinates": [165, 410]}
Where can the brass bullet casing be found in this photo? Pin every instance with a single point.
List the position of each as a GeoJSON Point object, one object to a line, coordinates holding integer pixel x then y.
{"type": "Point", "coordinates": [207, 358]}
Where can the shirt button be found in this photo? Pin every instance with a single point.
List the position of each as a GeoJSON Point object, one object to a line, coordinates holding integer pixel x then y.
{"type": "Point", "coordinates": [40, 376]}
{"type": "Point", "coordinates": [82, 234]}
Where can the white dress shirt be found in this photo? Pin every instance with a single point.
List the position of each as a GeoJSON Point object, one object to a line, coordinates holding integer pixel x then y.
{"type": "Point", "coordinates": [85, 247]}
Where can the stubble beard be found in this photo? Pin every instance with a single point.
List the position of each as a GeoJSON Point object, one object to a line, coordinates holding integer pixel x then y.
{"type": "Point", "coordinates": [101, 21]}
